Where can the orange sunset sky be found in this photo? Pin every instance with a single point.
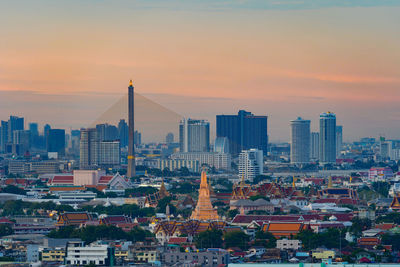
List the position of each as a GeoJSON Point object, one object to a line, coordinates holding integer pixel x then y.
{"type": "Point", "coordinates": [66, 62]}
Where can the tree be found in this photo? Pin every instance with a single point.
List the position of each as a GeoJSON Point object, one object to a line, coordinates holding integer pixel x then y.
{"type": "Point", "coordinates": [5, 229]}
{"type": "Point", "coordinates": [209, 239]}
{"type": "Point", "coordinates": [233, 213]}
{"type": "Point", "coordinates": [236, 239]}
{"type": "Point", "coordinates": [381, 188]}
{"type": "Point", "coordinates": [11, 189]}
{"type": "Point", "coordinates": [359, 225]}
{"type": "Point", "coordinates": [265, 239]}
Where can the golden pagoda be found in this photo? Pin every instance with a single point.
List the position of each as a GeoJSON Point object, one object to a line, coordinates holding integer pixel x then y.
{"type": "Point", "coordinates": [204, 211]}
{"type": "Point", "coordinates": [163, 191]}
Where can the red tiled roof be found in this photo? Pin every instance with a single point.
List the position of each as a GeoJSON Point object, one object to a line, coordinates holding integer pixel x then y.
{"type": "Point", "coordinates": [177, 240]}
{"type": "Point", "coordinates": [105, 179]}
{"type": "Point", "coordinates": [63, 179]}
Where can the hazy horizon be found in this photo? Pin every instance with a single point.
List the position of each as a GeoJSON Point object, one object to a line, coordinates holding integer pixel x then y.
{"type": "Point", "coordinates": [67, 62]}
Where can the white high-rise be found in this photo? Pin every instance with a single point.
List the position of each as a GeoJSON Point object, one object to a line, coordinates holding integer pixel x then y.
{"type": "Point", "coordinates": [327, 138]}
{"type": "Point", "coordinates": [250, 163]}
{"type": "Point", "coordinates": [300, 141]}
{"type": "Point", "coordinates": [194, 135]}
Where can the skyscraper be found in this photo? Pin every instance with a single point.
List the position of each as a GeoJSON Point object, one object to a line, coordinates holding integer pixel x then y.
{"type": "Point", "coordinates": [339, 140]}
{"type": "Point", "coordinates": [3, 135]}
{"type": "Point", "coordinates": [123, 132]}
{"type": "Point", "coordinates": [300, 141]}
{"type": "Point", "coordinates": [107, 132]}
{"type": "Point", "coordinates": [327, 138]}
{"type": "Point", "coordinates": [56, 141]}
{"type": "Point", "coordinates": [315, 145]}
{"type": "Point", "coordinates": [244, 131]}
{"type": "Point", "coordinates": [88, 148]}
{"type": "Point", "coordinates": [250, 164]}
{"type": "Point", "coordinates": [22, 139]}
{"type": "Point", "coordinates": [221, 145]}
{"type": "Point", "coordinates": [194, 135]}
{"type": "Point", "coordinates": [169, 138]}
{"type": "Point", "coordinates": [14, 123]}
{"type": "Point", "coordinates": [131, 172]}
{"type": "Point", "coordinates": [34, 129]}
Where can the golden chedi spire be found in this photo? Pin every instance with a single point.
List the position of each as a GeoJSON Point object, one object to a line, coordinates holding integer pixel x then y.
{"type": "Point", "coordinates": [163, 191]}
{"type": "Point", "coordinates": [330, 184]}
{"type": "Point", "coordinates": [204, 211]}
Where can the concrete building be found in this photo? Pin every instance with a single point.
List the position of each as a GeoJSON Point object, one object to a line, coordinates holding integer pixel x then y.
{"type": "Point", "coordinates": [79, 254]}
{"type": "Point", "coordinates": [327, 138]}
{"type": "Point", "coordinates": [169, 138]}
{"type": "Point", "coordinates": [212, 159]}
{"type": "Point", "coordinates": [131, 172]}
{"type": "Point", "coordinates": [286, 244]}
{"type": "Point", "coordinates": [109, 153]}
{"type": "Point", "coordinates": [221, 145]}
{"type": "Point", "coordinates": [211, 257]}
{"type": "Point", "coordinates": [250, 163]}
{"type": "Point", "coordinates": [300, 141]}
{"type": "Point", "coordinates": [194, 135]}
{"type": "Point", "coordinates": [176, 164]}
{"type": "Point", "coordinates": [339, 140]}
{"type": "Point", "coordinates": [23, 139]}
{"type": "Point", "coordinates": [87, 177]}
{"type": "Point", "coordinates": [314, 149]}
{"type": "Point", "coordinates": [88, 148]}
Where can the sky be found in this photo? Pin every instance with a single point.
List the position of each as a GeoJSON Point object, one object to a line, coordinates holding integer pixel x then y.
{"type": "Point", "coordinates": [67, 62]}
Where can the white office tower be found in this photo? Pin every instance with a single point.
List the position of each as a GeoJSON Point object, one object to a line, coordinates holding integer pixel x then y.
{"type": "Point", "coordinates": [339, 140]}
{"type": "Point", "coordinates": [327, 138]}
{"type": "Point", "coordinates": [250, 163]}
{"type": "Point", "coordinates": [194, 135]}
{"type": "Point", "coordinates": [314, 154]}
{"type": "Point", "coordinates": [300, 141]}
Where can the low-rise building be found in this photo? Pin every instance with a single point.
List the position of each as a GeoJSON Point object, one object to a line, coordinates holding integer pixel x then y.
{"type": "Point", "coordinates": [285, 244]}
{"type": "Point", "coordinates": [79, 254]}
{"type": "Point", "coordinates": [210, 257]}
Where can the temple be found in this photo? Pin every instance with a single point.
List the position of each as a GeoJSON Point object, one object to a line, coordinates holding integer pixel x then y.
{"type": "Point", "coordinates": [204, 211]}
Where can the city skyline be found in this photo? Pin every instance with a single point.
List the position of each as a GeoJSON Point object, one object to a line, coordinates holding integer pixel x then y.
{"type": "Point", "coordinates": [268, 57]}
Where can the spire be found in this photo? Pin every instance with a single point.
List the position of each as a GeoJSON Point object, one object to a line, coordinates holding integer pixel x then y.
{"type": "Point", "coordinates": [330, 182]}
{"type": "Point", "coordinates": [130, 83]}
{"type": "Point", "coordinates": [294, 182]}
{"type": "Point", "coordinates": [163, 191]}
{"type": "Point", "coordinates": [204, 211]}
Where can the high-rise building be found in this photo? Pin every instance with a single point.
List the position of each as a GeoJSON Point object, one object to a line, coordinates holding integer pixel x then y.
{"type": "Point", "coordinates": [95, 153]}
{"type": "Point", "coordinates": [56, 141]}
{"type": "Point", "coordinates": [221, 145]}
{"type": "Point", "coordinates": [22, 139]}
{"type": "Point", "coordinates": [339, 140]}
{"type": "Point", "coordinates": [109, 153]}
{"type": "Point", "coordinates": [123, 132]}
{"type": "Point", "coordinates": [34, 129]}
{"type": "Point", "coordinates": [107, 132]}
{"type": "Point", "coordinates": [169, 138]}
{"type": "Point", "coordinates": [46, 129]}
{"type": "Point", "coordinates": [137, 138]}
{"type": "Point", "coordinates": [244, 131]}
{"type": "Point", "coordinates": [14, 123]}
{"type": "Point", "coordinates": [315, 146]}
{"type": "Point", "coordinates": [194, 135]}
{"type": "Point", "coordinates": [300, 141]}
{"type": "Point", "coordinates": [88, 148]}
{"type": "Point", "coordinates": [327, 138]}
{"type": "Point", "coordinates": [131, 172]}
{"type": "Point", "coordinates": [3, 135]}
{"type": "Point", "coordinates": [251, 163]}
{"type": "Point", "coordinates": [75, 140]}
